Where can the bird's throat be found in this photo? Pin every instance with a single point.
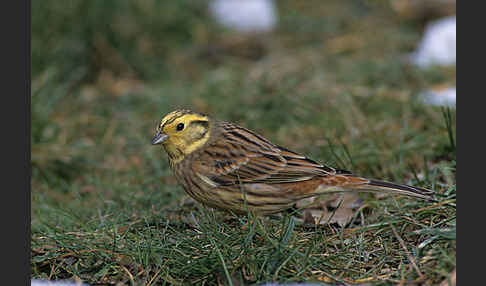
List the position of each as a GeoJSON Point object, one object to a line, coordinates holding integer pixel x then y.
{"type": "Point", "coordinates": [178, 151]}
{"type": "Point", "coordinates": [175, 154]}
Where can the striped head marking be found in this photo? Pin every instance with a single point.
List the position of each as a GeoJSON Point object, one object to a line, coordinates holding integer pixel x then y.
{"type": "Point", "coordinates": [181, 132]}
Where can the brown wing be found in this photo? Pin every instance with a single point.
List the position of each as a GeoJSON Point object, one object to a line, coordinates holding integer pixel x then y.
{"type": "Point", "coordinates": [239, 155]}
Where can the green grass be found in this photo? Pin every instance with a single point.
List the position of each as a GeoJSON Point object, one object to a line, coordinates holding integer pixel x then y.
{"type": "Point", "coordinates": [329, 83]}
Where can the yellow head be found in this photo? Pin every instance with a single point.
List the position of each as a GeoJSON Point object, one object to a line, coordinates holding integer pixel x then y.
{"type": "Point", "coordinates": [181, 132]}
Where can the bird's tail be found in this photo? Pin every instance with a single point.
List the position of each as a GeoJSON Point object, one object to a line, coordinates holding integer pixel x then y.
{"type": "Point", "coordinates": [382, 186]}
{"type": "Point", "coordinates": [343, 183]}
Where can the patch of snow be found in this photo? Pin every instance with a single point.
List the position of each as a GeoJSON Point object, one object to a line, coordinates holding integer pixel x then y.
{"type": "Point", "coordinates": [442, 97]}
{"type": "Point", "coordinates": [245, 16]}
{"type": "Point", "coordinates": [40, 282]}
{"type": "Point", "coordinates": [438, 46]}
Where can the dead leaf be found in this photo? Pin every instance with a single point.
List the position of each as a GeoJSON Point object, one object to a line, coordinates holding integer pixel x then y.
{"type": "Point", "coordinates": [451, 278]}
{"type": "Point", "coordinates": [419, 9]}
{"type": "Point", "coordinates": [118, 86]}
{"type": "Point", "coordinates": [336, 208]}
{"type": "Point", "coordinates": [345, 43]}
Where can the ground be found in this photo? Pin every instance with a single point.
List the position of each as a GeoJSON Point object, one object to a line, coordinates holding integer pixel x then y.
{"type": "Point", "coordinates": [331, 82]}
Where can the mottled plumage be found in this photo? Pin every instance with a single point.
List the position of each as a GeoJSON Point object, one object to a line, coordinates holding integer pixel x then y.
{"type": "Point", "coordinates": [229, 167]}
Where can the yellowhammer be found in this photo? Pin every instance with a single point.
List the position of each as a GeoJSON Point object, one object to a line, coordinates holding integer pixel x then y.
{"type": "Point", "coordinates": [229, 167]}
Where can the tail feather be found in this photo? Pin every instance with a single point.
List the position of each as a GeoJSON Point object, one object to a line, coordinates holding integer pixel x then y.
{"type": "Point", "coordinates": [350, 183]}
{"type": "Point", "coordinates": [382, 186]}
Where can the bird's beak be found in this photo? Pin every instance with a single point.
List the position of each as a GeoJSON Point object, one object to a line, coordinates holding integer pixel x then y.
{"type": "Point", "coordinates": [159, 138]}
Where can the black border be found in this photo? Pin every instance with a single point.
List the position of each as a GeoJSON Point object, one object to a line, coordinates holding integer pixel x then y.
{"type": "Point", "coordinates": [27, 167]}
{"type": "Point", "coordinates": [15, 26]}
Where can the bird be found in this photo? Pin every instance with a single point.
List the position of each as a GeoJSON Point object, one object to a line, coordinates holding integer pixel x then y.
{"type": "Point", "coordinates": [225, 166]}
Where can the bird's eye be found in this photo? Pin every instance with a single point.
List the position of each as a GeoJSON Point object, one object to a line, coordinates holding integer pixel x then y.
{"type": "Point", "coordinates": [180, 126]}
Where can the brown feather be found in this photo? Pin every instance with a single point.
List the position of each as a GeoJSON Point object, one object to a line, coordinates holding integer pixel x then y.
{"type": "Point", "coordinates": [242, 156]}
